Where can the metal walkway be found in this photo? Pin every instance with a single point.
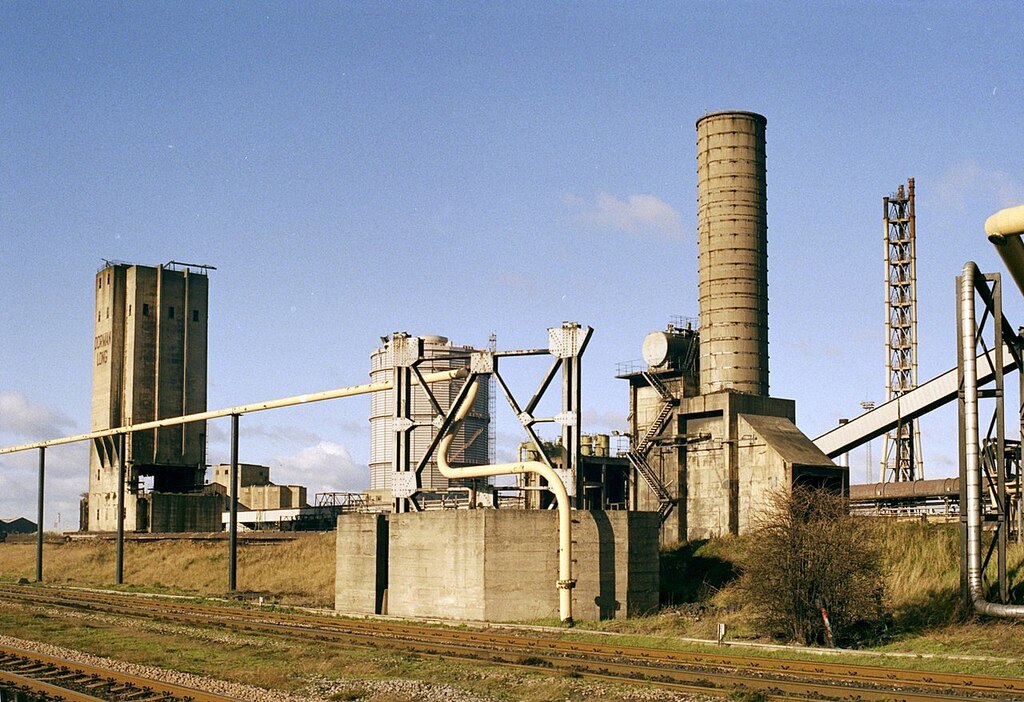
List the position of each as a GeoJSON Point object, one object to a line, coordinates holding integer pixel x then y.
{"type": "Point", "coordinates": [922, 400]}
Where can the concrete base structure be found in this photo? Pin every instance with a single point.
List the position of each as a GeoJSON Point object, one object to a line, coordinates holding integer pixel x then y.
{"type": "Point", "coordinates": [721, 456]}
{"type": "Point", "coordinates": [361, 567]}
{"type": "Point", "coordinates": [494, 565]}
{"type": "Point", "coordinates": [168, 512]}
{"type": "Point", "coordinates": [751, 448]}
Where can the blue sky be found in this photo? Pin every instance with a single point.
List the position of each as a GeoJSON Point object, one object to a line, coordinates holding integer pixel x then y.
{"type": "Point", "coordinates": [354, 169]}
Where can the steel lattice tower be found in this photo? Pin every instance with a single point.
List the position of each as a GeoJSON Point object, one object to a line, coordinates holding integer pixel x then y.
{"type": "Point", "coordinates": [902, 457]}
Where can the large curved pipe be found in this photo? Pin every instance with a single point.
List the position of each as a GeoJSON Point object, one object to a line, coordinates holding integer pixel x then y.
{"type": "Point", "coordinates": [565, 581]}
{"type": "Point", "coordinates": [1004, 230]}
{"type": "Point", "coordinates": [972, 449]}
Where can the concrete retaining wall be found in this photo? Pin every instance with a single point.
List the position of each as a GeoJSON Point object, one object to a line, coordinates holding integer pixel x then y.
{"type": "Point", "coordinates": [496, 565]}
{"type": "Point", "coordinates": [361, 566]}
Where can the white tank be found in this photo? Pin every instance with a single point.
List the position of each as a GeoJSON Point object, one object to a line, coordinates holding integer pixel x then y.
{"type": "Point", "coordinates": [661, 348]}
{"type": "Point", "coordinates": [472, 443]}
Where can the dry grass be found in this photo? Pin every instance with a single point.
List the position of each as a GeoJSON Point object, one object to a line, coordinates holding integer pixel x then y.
{"type": "Point", "coordinates": [298, 572]}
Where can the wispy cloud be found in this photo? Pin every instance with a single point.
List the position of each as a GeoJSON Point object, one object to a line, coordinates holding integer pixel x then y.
{"type": "Point", "coordinates": [968, 180]}
{"type": "Point", "coordinates": [20, 417]}
{"type": "Point", "coordinates": [606, 422]}
{"type": "Point", "coordinates": [324, 467]}
{"type": "Point", "coordinates": [67, 477]}
{"type": "Point", "coordinates": [642, 215]}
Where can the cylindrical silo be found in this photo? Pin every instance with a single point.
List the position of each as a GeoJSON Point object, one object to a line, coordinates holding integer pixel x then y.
{"type": "Point", "coordinates": [472, 442]}
{"type": "Point", "coordinates": [732, 222]}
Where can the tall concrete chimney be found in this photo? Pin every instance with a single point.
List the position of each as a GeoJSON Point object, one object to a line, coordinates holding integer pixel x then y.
{"type": "Point", "coordinates": [732, 223]}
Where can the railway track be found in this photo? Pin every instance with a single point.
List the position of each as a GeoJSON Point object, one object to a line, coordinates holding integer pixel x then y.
{"type": "Point", "coordinates": [42, 677]}
{"type": "Point", "coordinates": [677, 670]}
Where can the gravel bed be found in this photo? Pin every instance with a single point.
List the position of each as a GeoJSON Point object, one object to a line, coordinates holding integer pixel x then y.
{"type": "Point", "coordinates": [248, 693]}
{"type": "Point", "coordinates": [319, 690]}
{"type": "Point", "coordinates": [329, 690]}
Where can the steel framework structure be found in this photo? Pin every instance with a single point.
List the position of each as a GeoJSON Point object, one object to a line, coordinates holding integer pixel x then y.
{"type": "Point", "coordinates": [999, 458]}
{"type": "Point", "coordinates": [566, 345]}
{"type": "Point", "coordinates": [901, 459]}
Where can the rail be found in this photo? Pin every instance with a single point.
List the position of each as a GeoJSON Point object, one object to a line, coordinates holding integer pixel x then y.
{"type": "Point", "coordinates": [673, 669]}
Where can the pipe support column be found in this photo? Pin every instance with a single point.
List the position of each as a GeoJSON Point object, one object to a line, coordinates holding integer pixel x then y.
{"type": "Point", "coordinates": [39, 515]}
{"type": "Point", "coordinates": [233, 501]}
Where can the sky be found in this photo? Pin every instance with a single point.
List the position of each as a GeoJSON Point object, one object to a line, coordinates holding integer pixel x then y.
{"type": "Point", "coordinates": [352, 169]}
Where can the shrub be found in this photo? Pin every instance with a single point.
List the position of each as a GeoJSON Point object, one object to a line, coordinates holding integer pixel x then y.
{"type": "Point", "coordinates": [807, 554]}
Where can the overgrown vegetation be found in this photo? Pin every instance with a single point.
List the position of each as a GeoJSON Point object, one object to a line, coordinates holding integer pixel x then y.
{"type": "Point", "coordinates": [808, 559]}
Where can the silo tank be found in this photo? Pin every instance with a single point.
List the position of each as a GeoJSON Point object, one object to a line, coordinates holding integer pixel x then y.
{"type": "Point", "coordinates": [662, 347]}
{"type": "Point", "coordinates": [732, 223]}
{"type": "Point", "coordinates": [472, 441]}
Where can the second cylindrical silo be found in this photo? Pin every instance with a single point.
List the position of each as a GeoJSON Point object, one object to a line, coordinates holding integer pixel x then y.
{"type": "Point", "coordinates": [471, 445]}
{"type": "Point", "coordinates": [732, 222]}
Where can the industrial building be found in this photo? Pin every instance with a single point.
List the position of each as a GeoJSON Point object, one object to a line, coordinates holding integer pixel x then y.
{"type": "Point", "coordinates": [17, 525]}
{"type": "Point", "coordinates": [149, 363]}
{"type": "Point", "coordinates": [255, 490]}
{"type": "Point", "coordinates": [709, 443]}
{"type": "Point", "coordinates": [262, 504]}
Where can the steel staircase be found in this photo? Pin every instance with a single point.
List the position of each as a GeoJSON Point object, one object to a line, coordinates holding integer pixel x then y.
{"type": "Point", "coordinates": [637, 455]}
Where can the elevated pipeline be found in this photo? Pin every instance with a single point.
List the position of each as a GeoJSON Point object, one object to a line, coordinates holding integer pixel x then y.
{"type": "Point", "coordinates": [565, 580]}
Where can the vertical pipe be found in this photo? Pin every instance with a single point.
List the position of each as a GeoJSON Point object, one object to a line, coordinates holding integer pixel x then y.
{"type": "Point", "coordinates": [566, 582]}
{"type": "Point", "coordinates": [120, 508]}
{"type": "Point", "coordinates": [970, 445]}
{"type": "Point", "coordinates": [233, 501]}
{"type": "Point", "coordinates": [844, 460]}
{"type": "Point", "coordinates": [962, 348]}
{"type": "Point", "coordinates": [570, 430]}
{"type": "Point", "coordinates": [39, 516]}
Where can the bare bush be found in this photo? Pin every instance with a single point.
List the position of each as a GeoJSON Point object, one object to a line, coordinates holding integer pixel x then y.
{"type": "Point", "coordinates": [808, 554]}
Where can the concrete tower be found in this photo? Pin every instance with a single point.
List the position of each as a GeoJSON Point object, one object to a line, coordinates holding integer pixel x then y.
{"type": "Point", "coordinates": [708, 443]}
{"type": "Point", "coordinates": [149, 363]}
{"type": "Point", "coordinates": [732, 226]}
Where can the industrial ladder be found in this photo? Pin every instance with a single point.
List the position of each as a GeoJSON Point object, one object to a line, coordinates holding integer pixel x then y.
{"type": "Point", "coordinates": [637, 455]}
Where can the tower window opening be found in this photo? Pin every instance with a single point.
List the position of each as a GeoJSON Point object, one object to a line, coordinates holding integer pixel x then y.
{"type": "Point", "coordinates": [195, 315]}
{"type": "Point", "coordinates": [170, 313]}
{"type": "Point", "coordinates": [145, 309]}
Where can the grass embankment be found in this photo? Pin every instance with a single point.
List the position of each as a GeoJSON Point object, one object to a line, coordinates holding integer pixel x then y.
{"type": "Point", "coordinates": [296, 572]}
{"type": "Point", "coordinates": [922, 593]}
